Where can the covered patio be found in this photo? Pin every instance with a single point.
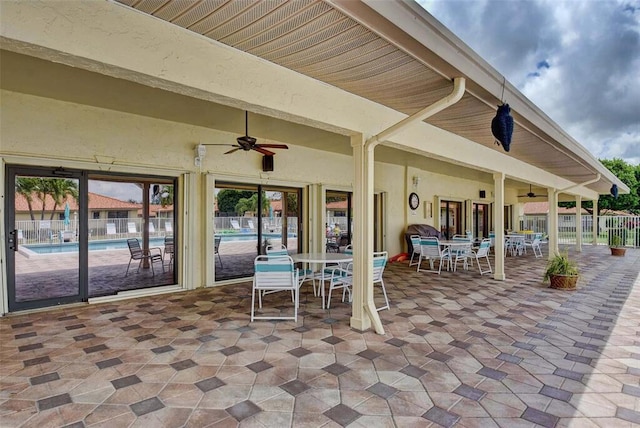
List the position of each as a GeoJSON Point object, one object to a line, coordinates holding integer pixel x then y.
{"type": "Point", "coordinates": [458, 349]}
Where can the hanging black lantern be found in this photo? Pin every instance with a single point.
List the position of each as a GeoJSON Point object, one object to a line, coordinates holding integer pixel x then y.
{"type": "Point", "coordinates": [502, 126]}
{"type": "Point", "coordinates": [614, 190]}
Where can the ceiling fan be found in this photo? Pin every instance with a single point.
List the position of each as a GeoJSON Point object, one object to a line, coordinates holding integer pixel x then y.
{"type": "Point", "coordinates": [248, 143]}
{"type": "Point", "coordinates": [531, 194]}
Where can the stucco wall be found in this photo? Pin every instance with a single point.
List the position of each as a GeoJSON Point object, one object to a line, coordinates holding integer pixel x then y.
{"type": "Point", "coordinates": [75, 134]}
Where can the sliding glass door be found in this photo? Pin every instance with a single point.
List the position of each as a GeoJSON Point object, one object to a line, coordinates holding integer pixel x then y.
{"type": "Point", "coordinates": [451, 215]}
{"type": "Point", "coordinates": [248, 218]}
{"type": "Point", "coordinates": [339, 215]}
{"type": "Point", "coordinates": [69, 234]}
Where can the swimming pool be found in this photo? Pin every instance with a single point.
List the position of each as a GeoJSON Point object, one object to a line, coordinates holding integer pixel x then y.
{"type": "Point", "coordinates": [72, 247]}
{"type": "Point", "coordinates": [119, 244]}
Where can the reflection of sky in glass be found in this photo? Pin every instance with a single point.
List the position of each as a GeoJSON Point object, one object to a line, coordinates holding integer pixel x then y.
{"type": "Point", "coordinates": [121, 191]}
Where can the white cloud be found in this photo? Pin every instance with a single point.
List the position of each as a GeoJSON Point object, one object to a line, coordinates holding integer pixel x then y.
{"type": "Point", "coordinates": [578, 61]}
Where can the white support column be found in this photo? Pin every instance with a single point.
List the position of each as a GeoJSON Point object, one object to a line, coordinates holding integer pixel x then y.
{"type": "Point", "coordinates": [498, 184]}
{"type": "Point", "coordinates": [578, 223]}
{"type": "Point", "coordinates": [209, 265]}
{"type": "Point", "coordinates": [190, 241]}
{"type": "Point", "coordinates": [595, 223]}
{"type": "Point", "coordinates": [553, 222]}
{"type": "Point", "coordinates": [362, 318]}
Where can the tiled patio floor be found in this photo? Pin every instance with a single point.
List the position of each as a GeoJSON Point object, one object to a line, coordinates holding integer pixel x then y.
{"type": "Point", "coordinates": [459, 349]}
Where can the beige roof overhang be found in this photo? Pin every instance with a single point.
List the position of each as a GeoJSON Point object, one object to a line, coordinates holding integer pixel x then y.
{"type": "Point", "coordinates": [392, 53]}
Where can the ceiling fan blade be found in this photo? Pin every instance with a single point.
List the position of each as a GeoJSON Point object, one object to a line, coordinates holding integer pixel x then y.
{"type": "Point", "coordinates": [274, 146]}
{"type": "Point", "coordinates": [218, 144]}
{"type": "Point", "coordinates": [232, 150]}
{"type": "Point", "coordinates": [263, 151]}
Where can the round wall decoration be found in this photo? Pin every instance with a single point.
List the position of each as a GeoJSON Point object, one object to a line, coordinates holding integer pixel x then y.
{"type": "Point", "coordinates": [414, 201]}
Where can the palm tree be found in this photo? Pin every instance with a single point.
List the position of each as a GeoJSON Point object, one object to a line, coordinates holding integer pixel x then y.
{"type": "Point", "coordinates": [59, 189]}
{"type": "Point", "coordinates": [26, 186]}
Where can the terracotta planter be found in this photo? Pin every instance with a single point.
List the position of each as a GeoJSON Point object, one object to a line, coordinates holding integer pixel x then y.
{"type": "Point", "coordinates": [616, 251]}
{"type": "Point", "coordinates": [564, 282]}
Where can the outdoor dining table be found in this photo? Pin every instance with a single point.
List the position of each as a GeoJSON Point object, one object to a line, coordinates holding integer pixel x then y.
{"type": "Point", "coordinates": [455, 245]}
{"type": "Point", "coordinates": [322, 259]}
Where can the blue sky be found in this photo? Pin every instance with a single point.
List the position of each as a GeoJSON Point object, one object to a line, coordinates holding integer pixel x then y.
{"type": "Point", "coordinates": [577, 60]}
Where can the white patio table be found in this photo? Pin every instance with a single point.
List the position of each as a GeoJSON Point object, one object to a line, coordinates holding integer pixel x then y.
{"type": "Point", "coordinates": [454, 246]}
{"type": "Point", "coordinates": [322, 259]}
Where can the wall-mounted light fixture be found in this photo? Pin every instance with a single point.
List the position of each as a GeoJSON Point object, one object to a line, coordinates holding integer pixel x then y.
{"type": "Point", "coordinates": [201, 151]}
{"type": "Point", "coordinates": [416, 181]}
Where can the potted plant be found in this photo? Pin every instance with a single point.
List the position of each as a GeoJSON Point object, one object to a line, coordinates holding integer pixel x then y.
{"type": "Point", "coordinates": [616, 246]}
{"type": "Point", "coordinates": [562, 272]}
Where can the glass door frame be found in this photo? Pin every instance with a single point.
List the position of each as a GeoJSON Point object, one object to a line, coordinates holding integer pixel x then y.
{"type": "Point", "coordinates": [476, 218]}
{"type": "Point", "coordinates": [13, 171]}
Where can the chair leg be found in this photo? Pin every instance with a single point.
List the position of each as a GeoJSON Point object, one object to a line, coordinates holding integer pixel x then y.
{"type": "Point", "coordinates": [253, 302]}
{"type": "Point", "coordinates": [386, 300]}
{"type": "Point", "coordinates": [127, 272]}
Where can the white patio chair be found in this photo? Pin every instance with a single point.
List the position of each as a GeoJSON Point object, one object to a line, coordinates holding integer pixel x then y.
{"type": "Point", "coordinates": [431, 250]}
{"type": "Point", "coordinates": [111, 229]}
{"type": "Point", "coordinates": [379, 263]}
{"type": "Point", "coordinates": [273, 274]}
{"type": "Point", "coordinates": [168, 227]}
{"type": "Point", "coordinates": [131, 228]}
{"type": "Point", "coordinates": [415, 242]}
{"type": "Point", "coordinates": [235, 225]}
{"type": "Point", "coordinates": [340, 278]}
{"type": "Point", "coordinates": [534, 245]}
{"type": "Point", "coordinates": [462, 252]}
{"type": "Point", "coordinates": [483, 253]}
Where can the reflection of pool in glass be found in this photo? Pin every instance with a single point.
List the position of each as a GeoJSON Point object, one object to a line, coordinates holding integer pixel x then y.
{"type": "Point", "coordinates": [72, 247]}
{"type": "Point", "coordinates": [253, 236]}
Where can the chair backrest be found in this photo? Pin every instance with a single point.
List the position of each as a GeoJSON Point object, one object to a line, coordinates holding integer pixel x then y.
{"type": "Point", "coordinates": [168, 227]}
{"type": "Point", "coordinates": [483, 250]}
{"type": "Point", "coordinates": [152, 228]}
{"type": "Point", "coordinates": [250, 224]}
{"type": "Point", "coordinates": [111, 229]}
{"type": "Point", "coordinates": [277, 250]}
{"type": "Point", "coordinates": [461, 238]}
{"type": "Point", "coordinates": [275, 273]}
{"type": "Point", "coordinates": [134, 248]}
{"type": "Point", "coordinates": [131, 227]}
{"type": "Point", "coordinates": [216, 243]}
{"type": "Point", "coordinates": [430, 246]}
{"type": "Point", "coordinates": [235, 224]}
{"type": "Point", "coordinates": [168, 244]}
{"type": "Point", "coordinates": [415, 241]}
{"type": "Point", "coordinates": [492, 238]}
{"type": "Point", "coordinates": [348, 250]}
{"type": "Point", "coordinates": [379, 262]}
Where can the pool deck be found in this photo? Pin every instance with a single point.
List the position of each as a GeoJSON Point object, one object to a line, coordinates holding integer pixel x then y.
{"type": "Point", "coordinates": [54, 275]}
